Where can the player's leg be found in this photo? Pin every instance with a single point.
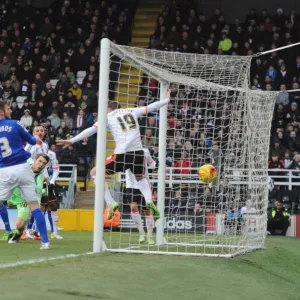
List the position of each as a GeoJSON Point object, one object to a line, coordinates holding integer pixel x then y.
{"type": "Point", "coordinates": [8, 182]}
{"type": "Point", "coordinates": [148, 217]}
{"type": "Point", "coordinates": [31, 232]}
{"type": "Point", "coordinates": [112, 167]}
{"type": "Point", "coordinates": [5, 219]}
{"type": "Point", "coordinates": [135, 161]}
{"type": "Point", "coordinates": [53, 212]}
{"type": "Point", "coordinates": [110, 202]}
{"type": "Point", "coordinates": [150, 224]}
{"type": "Point", "coordinates": [28, 191]}
{"type": "Point", "coordinates": [22, 218]}
{"type": "Point", "coordinates": [50, 219]}
{"type": "Point", "coordinates": [134, 197]}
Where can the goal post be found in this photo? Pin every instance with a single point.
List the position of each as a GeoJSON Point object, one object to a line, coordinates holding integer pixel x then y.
{"type": "Point", "coordinates": [213, 117]}
{"type": "Point", "coordinates": [98, 241]}
{"type": "Point", "coordinates": [162, 142]}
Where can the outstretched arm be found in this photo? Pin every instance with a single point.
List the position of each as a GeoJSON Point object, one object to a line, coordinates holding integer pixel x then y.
{"type": "Point", "coordinates": [140, 111]}
{"type": "Point", "coordinates": [84, 134]}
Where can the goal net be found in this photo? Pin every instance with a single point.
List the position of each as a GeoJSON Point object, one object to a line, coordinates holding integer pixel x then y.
{"type": "Point", "coordinates": [212, 118]}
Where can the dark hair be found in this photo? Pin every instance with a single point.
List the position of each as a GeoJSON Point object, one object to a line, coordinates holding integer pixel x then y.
{"type": "Point", "coordinates": [114, 105]}
{"type": "Point", "coordinates": [42, 155]}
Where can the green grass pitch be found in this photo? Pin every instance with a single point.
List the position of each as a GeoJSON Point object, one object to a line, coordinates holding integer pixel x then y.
{"type": "Point", "coordinates": [272, 274]}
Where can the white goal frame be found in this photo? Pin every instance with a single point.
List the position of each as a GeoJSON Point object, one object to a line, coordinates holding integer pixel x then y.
{"type": "Point", "coordinates": [98, 241]}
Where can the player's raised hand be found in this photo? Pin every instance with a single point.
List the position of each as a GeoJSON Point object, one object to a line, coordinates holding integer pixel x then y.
{"type": "Point", "coordinates": [169, 94]}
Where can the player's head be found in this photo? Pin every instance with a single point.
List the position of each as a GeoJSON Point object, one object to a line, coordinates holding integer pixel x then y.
{"type": "Point", "coordinates": [40, 162]}
{"type": "Point", "coordinates": [5, 111]}
{"type": "Point", "coordinates": [113, 105]}
{"type": "Point", "coordinates": [39, 131]}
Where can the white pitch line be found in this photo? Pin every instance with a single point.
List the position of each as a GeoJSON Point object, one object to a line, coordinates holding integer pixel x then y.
{"type": "Point", "coordinates": [41, 260]}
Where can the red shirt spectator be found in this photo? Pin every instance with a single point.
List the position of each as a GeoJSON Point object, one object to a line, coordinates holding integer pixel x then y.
{"type": "Point", "coordinates": [180, 166]}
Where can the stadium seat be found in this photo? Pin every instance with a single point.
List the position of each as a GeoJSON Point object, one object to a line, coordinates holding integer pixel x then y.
{"type": "Point", "coordinates": [80, 74]}
{"type": "Point", "coordinates": [20, 100]}
{"type": "Point", "coordinates": [53, 82]}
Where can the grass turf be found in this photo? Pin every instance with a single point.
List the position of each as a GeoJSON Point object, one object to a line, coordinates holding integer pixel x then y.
{"type": "Point", "coordinates": [269, 274]}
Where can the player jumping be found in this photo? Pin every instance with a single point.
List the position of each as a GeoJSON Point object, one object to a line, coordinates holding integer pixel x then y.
{"type": "Point", "coordinates": [37, 165]}
{"type": "Point", "coordinates": [128, 153]}
{"type": "Point", "coordinates": [14, 169]}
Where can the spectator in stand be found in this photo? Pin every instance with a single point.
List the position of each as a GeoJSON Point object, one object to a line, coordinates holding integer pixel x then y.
{"type": "Point", "coordinates": [183, 165]}
{"type": "Point", "coordinates": [283, 97]}
{"type": "Point", "coordinates": [34, 93]}
{"type": "Point", "coordinates": [15, 115]}
{"type": "Point", "coordinates": [278, 148]}
{"type": "Point", "coordinates": [4, 68]}
{"type": "Point", "coordinates": [272, 73]}
{"type": "Point", "coordinates": [63, 85]}
{"type": "Point", "coordinates": [275, 163]}
{"type": "Point", "coordinates": [279, 219]}
{"type": "Point", "coordinates": [288, 162]}
{"type": "Point", "coordinates": [50, 130]}
{"type": "Point", "coordinates": [69, 108]}
{"type": "Point", "coordinates": [55, 120]}
{"type": "Point", "coordinates": [69, 156]}
{"type": "Point", "coordinates": [293, 115]}
{"type": "Point", "coordinates": [76, 90]}
{"type": "Point", "coordinates": [68, 121]}
{"type": "Point", "coordinates": [86, 150]}
{"type": "Point", "coordinates": [80, 123]}
{"type": "Point", "coordinates": [294, 142]}
{"type": "Point", "coordinates": [149, 140]}
{"type": "Point", "coordinates": [26, 119]}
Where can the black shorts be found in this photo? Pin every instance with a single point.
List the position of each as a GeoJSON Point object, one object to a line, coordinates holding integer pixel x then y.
{"type": "Point", "coordinates": [133, 161]}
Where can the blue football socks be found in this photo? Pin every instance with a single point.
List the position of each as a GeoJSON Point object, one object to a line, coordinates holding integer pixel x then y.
{"type": "Point", "coordinates": [41, 224]}
{"type": "Point", "coordinates": [5, 219]}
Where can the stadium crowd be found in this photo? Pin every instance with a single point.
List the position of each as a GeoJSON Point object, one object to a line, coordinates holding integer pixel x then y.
{"type": "Point", "coordinates": [180, 28]}
{"type": "Point", "coordinates": [37, 45]}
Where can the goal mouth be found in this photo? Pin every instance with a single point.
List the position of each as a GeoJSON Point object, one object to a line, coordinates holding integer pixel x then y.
{"type": "Point", "coordinates": [212, 118]}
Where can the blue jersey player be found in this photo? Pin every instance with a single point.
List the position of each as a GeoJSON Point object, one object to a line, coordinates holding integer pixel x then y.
{"type": "Point", "coordinates": [14, 169]}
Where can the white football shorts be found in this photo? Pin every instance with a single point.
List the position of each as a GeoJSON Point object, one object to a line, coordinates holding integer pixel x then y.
{"type": "Point", "coordinates": [19, 176]}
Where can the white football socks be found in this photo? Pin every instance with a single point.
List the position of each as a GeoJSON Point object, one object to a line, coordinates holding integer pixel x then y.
{"type": "Point", "coordinates": [136, 217]}
{"type": "Point", "coordinates": [54, 215]}
{"type": "Point", "coordinates": [149, 225]}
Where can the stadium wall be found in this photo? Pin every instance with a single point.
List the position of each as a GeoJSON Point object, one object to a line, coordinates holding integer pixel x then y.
{"type": "Point", "coordinates": [233, 9]}
{"type": "Point", "coordinates": [83, 220]}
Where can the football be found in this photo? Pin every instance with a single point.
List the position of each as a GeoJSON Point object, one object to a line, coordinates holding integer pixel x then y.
{"type": "Point", "coordinates": [207, 173]}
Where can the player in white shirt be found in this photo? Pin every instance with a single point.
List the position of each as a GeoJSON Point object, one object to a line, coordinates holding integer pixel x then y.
{"type": "Point", "coordinates": [135, 198]}
{"type": "Point", "coordinates": [128, 153]}
{"type": "Point", "coordinates": [50, 200]}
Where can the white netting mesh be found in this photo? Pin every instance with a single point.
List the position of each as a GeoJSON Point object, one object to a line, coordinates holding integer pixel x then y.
{"type": "Point", "coordinates": [212, 118]}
